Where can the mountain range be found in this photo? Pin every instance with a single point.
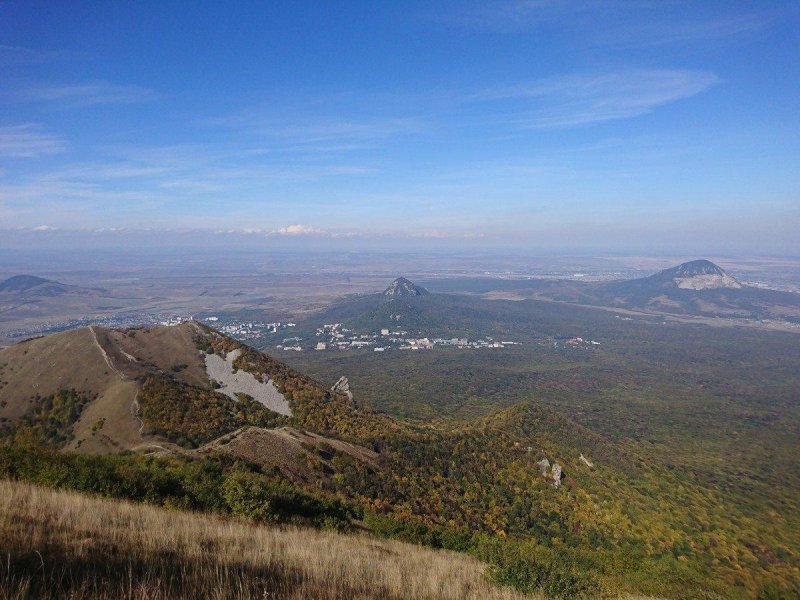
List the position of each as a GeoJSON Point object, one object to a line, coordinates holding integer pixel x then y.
{"type": "Point", "coordinates": [551, 495]}
{"type": "Point", "coordinates": [696, 289]}
{"type": "Point", "coordinates": [473, 308]}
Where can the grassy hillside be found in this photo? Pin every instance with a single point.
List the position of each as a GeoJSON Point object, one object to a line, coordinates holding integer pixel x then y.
{"type": "Point", "coordinates": [59, 544]}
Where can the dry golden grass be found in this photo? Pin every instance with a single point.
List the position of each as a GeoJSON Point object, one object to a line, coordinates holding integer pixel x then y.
{"type": "Point", "coordinates": [62, 544]}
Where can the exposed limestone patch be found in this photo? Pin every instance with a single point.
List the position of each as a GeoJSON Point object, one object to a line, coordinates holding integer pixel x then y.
{"type": "Point", "coordinates": [241, 382]}
{"type": "Point", "coordinates": [707, 282]}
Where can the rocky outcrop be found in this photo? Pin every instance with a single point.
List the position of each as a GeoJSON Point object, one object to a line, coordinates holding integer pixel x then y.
{"type": "Point", "coordinates": [586, 461]}
{"type": "Point", "coordinates": [557, 474]}
{"type": "Point", "coordinates": [343, 387]}
{"type": "Point", "coordinates": [544, 466]}
{"type": "Point", "coordinates": [554, 472]}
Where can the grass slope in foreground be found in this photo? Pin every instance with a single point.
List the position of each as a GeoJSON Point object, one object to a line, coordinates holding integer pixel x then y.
{"type": "Point", "coordinates": [58, 544]}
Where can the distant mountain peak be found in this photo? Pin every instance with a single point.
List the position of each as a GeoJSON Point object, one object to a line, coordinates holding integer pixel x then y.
{"type": "Point", "coordinates": [33, 287]}
{"type": "Point", "coordinates": [21, 283]}
{"type": "Point", "coordinates": [698, 275]}
{"type": "Point", "coordinates": [402, 287]}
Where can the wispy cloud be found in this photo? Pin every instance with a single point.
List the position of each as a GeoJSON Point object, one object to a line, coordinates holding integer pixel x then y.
{"type": "Point", "coordinates": [512, 15]}
{"type": "Point", "coordinates": [9, 49]}
{"type": "Point", "coordinates": [326, 130]}
{"type": "Point", "coordinates": [321, 133]}
{"type": "Point", "coordinates": [655, 32]}
{"type": "Point", "coordinates": [152, 182]}
{"type": "Point", "coordinates": [11, 53]}
{"type": "Point", "coordinates": [583, 99]}
{"type": "Point", "coordinates": [28, 141]}
{"type": "Point", "coordinates": [85, 94]}
{"type": "Point", "coordinates": [599, 22]}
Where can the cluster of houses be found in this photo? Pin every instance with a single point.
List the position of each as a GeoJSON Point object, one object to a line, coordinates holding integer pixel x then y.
{"type": "Point", "coordinates": [334, 336]}
{"type": "Point", "coordinates": [575, 342]}
{"type": "Point", "coordinates": [245, 330]}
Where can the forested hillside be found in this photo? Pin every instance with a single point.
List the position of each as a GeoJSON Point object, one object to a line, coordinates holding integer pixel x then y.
{"type": "Point", "coordinates": [550, 504]}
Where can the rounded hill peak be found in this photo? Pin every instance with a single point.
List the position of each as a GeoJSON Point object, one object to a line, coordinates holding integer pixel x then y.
{"type": "Point", "coordinates": [698, 275]}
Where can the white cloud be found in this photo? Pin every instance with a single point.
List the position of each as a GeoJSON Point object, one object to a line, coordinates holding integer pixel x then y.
{"type": "Point", "coordinates": [297, 230]}
{"type": "Point", "coordinates": [44, 228]}
{"type": "Point", "coordinates": [28, 141]}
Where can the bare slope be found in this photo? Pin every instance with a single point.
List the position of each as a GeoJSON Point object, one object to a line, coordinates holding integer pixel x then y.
{"type": "Point", "coordinates": [298, 454]}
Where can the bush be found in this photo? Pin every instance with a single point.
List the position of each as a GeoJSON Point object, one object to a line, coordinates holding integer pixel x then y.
{"type": "Point", "coordinates": [49, 421]}
{"type": "Point", "coordinates": [531, 568]}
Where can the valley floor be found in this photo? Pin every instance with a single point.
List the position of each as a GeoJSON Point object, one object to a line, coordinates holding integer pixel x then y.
{"type": "Point", "coordinates": [57, 544]}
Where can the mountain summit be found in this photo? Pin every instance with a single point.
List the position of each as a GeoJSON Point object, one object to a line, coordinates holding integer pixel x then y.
{"type": "Point", "coordinates": [697, 275]}
{"type": "Point", "coordinates": [402, 287]}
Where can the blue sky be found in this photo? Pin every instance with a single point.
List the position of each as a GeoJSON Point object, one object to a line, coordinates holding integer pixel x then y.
{"type": "Point", "coordinates": [538, 123]}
